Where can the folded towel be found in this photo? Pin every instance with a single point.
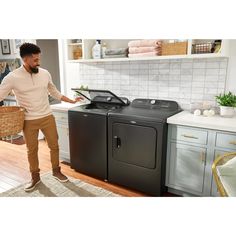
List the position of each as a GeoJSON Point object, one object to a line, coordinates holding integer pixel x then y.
{"type": "Point", "coordinates": [115, 56]}
{"type": "Point", "coordinates": [144, 43]}
{"type": "Point", "coordinates": [228, 169]}
{"type": "Point", "coordinates": [229, 183]}
{"type": "Point", "coordinates": [146, 54]}
{"type": "Point", "coordinates": [144, 49]}
{"type": "Point", "coordinates": [116, 51]}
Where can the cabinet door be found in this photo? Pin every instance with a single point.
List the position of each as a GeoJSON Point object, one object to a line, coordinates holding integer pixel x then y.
{"type": "Point", "coordinates": [187, 168]}
{"type": "Point", "coordinates": [214, 190]}
{"type": "Point", "coordinates": [63, 133]}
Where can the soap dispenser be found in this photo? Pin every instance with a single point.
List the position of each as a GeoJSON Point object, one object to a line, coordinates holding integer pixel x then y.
{"type": "Point", "coordinates": [97, 50]}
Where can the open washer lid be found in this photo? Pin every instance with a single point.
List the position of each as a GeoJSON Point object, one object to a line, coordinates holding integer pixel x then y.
{"type": "Point", "coordinates": [101, 96]}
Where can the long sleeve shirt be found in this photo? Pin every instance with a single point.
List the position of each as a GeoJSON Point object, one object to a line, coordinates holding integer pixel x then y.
{"type": "Point", "coordinates": [31, 91]}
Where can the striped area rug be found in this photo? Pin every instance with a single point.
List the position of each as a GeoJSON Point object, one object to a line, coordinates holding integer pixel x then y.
{"type": "Point", "coordinates": [50, 187]}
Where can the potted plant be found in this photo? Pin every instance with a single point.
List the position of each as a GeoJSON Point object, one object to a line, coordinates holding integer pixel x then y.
{"type": "Point", "coordinates": [227, 102]}
{"type": "Point", "coordinates": [83, 89]}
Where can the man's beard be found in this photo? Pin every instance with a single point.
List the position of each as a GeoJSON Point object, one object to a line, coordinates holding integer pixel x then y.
{"type": "Point", "coordinates": [34, 70]}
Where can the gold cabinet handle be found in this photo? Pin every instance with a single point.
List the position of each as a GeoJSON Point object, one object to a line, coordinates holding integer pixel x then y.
{"type": "Point", "coordinates": [203, 157]}
{"type": "Point", "coordinates": [232, 142]}
{"type": "Point", "coordinates": [189, 136]}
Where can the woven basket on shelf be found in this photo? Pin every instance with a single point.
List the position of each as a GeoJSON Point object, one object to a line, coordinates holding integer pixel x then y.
{"type": "Point", "coordinates": [11, 120]}
{"type": "Point", "coordinates": [179, 48]}
{"type": "Point", "coordinates": [218, 162]}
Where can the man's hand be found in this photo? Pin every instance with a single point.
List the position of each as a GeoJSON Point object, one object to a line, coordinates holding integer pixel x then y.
{"type": "Point", "coordinates": [66, 99]}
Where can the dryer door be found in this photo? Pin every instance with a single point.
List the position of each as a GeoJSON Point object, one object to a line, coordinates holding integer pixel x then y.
{"type": "Point", "coordinates": [134, 144]}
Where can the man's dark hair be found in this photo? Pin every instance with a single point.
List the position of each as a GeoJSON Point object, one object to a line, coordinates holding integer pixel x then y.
{"type": "Point", "coordinates": [29, 49]}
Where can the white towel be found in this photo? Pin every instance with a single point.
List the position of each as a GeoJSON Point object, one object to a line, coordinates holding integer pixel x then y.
{"type": "Point", "coordinates": [228, 169]}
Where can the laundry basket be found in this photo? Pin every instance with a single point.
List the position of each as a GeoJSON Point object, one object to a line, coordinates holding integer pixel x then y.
{"type": "Point", "coordinates": [218, 162]}
{"type": "Point", "coordinates": [11, 120]}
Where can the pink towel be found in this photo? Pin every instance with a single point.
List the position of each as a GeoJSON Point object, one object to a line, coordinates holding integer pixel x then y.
{"type": "Point", "coordinates": [144, 43]}
{"type": "Point", "coordinates": [144, 49]}
{"type": "Point", "coordinates": [145, 54]}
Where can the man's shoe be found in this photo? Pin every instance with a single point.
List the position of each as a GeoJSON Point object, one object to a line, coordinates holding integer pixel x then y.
{"type": "Point", "coordinates": [56, 172]}
{"type": "Point", "coordinates": [35, 180]}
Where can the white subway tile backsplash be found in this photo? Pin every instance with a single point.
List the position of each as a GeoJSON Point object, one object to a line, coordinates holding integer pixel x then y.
{"type": "Point", "coordinates": [223, 64]}
{"type": "Point", "coordinates": [164, 77]}
{"type": "Point", "coordinates": [153, 66]}
{"type": "Point", "coordinates": [124, 66]}
{"type": "Point", "coordinates": [186, 84]}
{"type": "Point", "coordinates": [197, 96]}
{"type": "Point", "coordinates": [186, 77]}
{"type": "Point", "coordinates": [134, 72]}
{"type": "Point", "coordinates": [174, 71]}
{"type": "Point", "coordinates": [186, 65]}
{"type": "Point", "coordinates": [116, 64]}
{"type": "Point", "coordinates": [210, 91]}
{"type": "Point", "coordinates": [185, 95]}
{"type": "Point", "coordinates": [199, 65]}
{"type": "Point", "coordinates": [164, 71]}
{"type": "Point", "coordinates": [174, 89]}
{"type": "Point", "coordinates": [211, 84]}
{"type": "Point", "coordinates": [212, 65]}
{"type": "Point", "coordinates": [197, 90]}
{"type": "Point", "coordinates": [143, 66]}
{"type": "Point", "coordinates": [199, 72]}
{"type": "Point", "coordinates": [182, 80]}
{"type": "Point", "coordinates": [164, 65]}
{"type": "Point", "coordinates": [212, 71]}
{"type": "Point", "coordinates": [175, 65]}
{"type": "Point", "coordinates": [164, 96]}
{"type": "Point", "coordinates": [221, 85]}
{"type": "Point", "coordinates": [174, 83]}
{"type": "Point", "coordinates": [221, 78]}
{"type": "Point", "coordinates": [198, 84]}
{"type": "Point", "coordinates": [143, 72]}
{"type": "Point", "coordinates": [223, 71]}
{"type": "Point", "coordinates": [199, 78]}
{"type": "Point", "coordinates": [213, 78]}
{"type": "Point", "coordinates": [153, 71]}
{"type": "Point", "coordinates": [186, 71]}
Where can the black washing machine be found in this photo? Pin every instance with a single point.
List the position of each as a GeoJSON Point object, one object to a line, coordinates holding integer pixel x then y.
{"type": "Point", "coordinates": [88, 131]}
{"type": "Point", "coordinates": [137, 140]}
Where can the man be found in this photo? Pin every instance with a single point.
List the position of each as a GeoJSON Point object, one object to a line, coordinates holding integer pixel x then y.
{"type": "Point", "coordinates": [31, 85]}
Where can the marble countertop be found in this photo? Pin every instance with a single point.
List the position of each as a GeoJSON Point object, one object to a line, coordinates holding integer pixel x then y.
{"type": "Point", "coordinates": [64, 106]}
{"type": "Point", "coordinates": [215, 122]}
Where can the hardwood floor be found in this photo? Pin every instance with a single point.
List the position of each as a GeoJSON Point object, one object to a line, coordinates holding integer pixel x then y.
{"type": "Point", "coordinates": [14, 169]}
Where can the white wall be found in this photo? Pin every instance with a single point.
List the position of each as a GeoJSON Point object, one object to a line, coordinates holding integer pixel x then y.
{"type": "Point", "coordinates": [50, 58]}
{"type": "Point", "coordinates": [231, 77]}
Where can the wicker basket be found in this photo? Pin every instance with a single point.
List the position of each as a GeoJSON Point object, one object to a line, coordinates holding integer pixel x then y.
{"type": "Point", "coordinates": [199, 48]}
{"type": "Point", "coordinates": [179, 48]}
{"type": "Point", "coordinates": [11, 120]}
{"type": "Point", "coordinates": [218, 162]}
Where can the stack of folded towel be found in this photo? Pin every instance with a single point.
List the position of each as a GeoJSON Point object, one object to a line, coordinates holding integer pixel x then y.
{"type": "Point", "coordinates": [144, 48]}
{"type": "Point", "coordinates": [116, 53]}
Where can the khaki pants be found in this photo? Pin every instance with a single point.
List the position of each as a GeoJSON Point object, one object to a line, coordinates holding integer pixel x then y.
{"type": "Point", "coordinates": [31, 130]}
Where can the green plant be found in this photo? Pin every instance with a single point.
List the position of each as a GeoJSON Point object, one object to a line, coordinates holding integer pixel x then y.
{"type": "Point", "coordinates": [81, 88]}
{"type": "Point", "coordinates": [226, 99]}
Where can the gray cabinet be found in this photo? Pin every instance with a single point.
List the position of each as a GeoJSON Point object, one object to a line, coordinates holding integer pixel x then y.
{"type": "Point", "coordinates": [190, 155]}
{"type": "Point", "coordinates": [187, 167]}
